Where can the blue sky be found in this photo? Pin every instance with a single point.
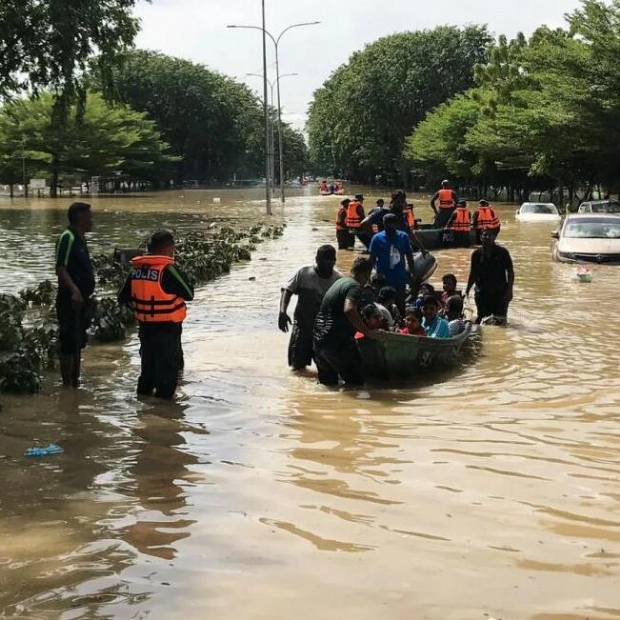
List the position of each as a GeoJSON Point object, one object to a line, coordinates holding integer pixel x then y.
{"type": "Point", "coordinates": [196, 30]}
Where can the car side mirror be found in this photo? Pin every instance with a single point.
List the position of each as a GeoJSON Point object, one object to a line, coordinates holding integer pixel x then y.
{"type": "Point", "coordinates": [555, 235]}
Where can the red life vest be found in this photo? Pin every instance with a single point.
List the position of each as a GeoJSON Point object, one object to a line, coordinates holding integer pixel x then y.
{"type": "Point", "coordinates": [461, 220]}
{"type": "Point", "coordinates": [446, 199]}
{"type": "Point", "coordinates": [353, 220]}
{"type": "Point", "coordinates": [487, 219]}
{"type": "Point", "coordinates": [149, 301]}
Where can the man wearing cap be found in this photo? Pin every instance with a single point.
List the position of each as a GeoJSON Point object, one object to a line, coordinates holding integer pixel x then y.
{"type": "Point", "coordinates": [459, 225]}
{"type": "Point", "coordinates": [485, 218]}
{"type": "Point", "coordinates": [447, 204]}
{"type": "Point", "coordinates": [354, 218]}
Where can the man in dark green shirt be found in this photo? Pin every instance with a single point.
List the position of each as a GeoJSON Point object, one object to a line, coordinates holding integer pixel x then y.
{"type": "Point", "coordinates": [76, 284]}
{"type": "Point", "coordinates": [336, 354]}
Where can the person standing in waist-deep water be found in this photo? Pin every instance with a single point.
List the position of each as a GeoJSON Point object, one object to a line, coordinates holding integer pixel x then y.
{"type": "Point", "coordinates": [346, 240]}
{"type": "Point", "coordinates": [156, 289]}
{"type": "Point", "coordinates": [493, 275]}
{"type": "Point", "coordinates": [310, 285]}
{"type": "Point", "coordinates": [447, 204]}
{"type": "Point", "coordinates": [335, 352]}
{"type": "Point", "coordinates": [76, 284]}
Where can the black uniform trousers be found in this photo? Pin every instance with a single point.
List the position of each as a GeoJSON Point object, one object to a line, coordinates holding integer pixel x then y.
{"type": "Point", "coordinates": [161, 358]}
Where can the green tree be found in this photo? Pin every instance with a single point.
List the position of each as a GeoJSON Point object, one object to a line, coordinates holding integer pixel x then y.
{"type": "Point", "coordinates": [107, 139]}
{"type": "Point", "coordinates": [360, 118]}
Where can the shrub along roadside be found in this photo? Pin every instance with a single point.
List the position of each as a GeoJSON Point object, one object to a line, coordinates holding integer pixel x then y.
{"type": "Point", "coordinates": [28, 328]}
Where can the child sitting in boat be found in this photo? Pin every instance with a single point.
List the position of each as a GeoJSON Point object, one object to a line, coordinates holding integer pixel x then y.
{"type": "Point", "coordinates": [434, 325]}
{"type": "Point", "coordinates": [386, 300]}
{"type": "Point", "coordinates": [372, 317]}
{"type": "Point", "coordinates": [449, 288]}
{"type": "Point", "coordinates": [413, 322]}
{"type": "Point", "coordinates": [454, 315]}
{"type": "Point", "coordinates": [426, 290]}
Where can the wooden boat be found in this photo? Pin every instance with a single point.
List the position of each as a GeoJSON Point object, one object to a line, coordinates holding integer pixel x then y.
{"type": "Point", "coordinates": [400, 355]}
{"type": "Point", "coordinates": [438, 238]}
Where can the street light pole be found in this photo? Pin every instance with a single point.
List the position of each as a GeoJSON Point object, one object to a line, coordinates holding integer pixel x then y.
{"type": "Point", "coordinates": [276, 43]}
{"type": "Point", "coordinates": [266, 110]}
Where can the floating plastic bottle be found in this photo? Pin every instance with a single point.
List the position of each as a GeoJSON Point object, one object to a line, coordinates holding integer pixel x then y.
{"type": "Point", "coordinates": [47, 450]}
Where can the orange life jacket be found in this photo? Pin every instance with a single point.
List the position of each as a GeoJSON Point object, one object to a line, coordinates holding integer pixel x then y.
{"type": "Point", "coordinates": [461, 221]}
{"type": "Point", "coordinates": [446, 200]}
{"type": "Point", "coordinates": [410, 218]}
{"type": "Point", "coordinates": [149, 301]}
{"type": "Point", "coordinates": [353, 220]}
{"type": "Point", "coordinates": [487, 219]}
{"type": "Point", "coordinates": [340, 218]}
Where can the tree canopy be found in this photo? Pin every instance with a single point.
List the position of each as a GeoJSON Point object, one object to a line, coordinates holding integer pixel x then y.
{"type": "Point", "coordinates": [359, 119]}
{"type": "Point", "coordinates": [545, 112]}
{"type": "Point", "coordinates": [108, 139]}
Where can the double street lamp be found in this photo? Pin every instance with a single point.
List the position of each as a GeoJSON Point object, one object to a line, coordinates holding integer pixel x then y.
{"type": "Point", "coordinates": [276, 43]}
{"type": "Point", "coordinates": [271, 152]}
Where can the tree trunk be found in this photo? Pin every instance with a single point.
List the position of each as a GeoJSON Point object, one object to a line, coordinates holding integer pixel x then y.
{"type": "Point", "coordinates": [55, 175]}
{"type": "Point", "coordinates": [11, 190]}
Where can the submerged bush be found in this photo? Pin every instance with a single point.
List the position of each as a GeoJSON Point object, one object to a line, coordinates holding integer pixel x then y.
{"type": "Point", "coordinates": [28, 328]}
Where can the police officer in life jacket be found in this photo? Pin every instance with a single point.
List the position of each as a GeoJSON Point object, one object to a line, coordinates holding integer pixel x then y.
{"type": "Point", "coordinates": [485, 218]}
{"type": "Point", "coordinates": [447, 204]}
{"type": "Point", "coordinates": [156, 290]}
{"type": "Point", "coordinates": [459, 225]}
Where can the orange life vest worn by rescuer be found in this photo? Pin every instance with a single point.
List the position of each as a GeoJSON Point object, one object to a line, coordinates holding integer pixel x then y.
{"type": "Point", "coordinates": [410, 218]}
{"type": "Point", "coordinates": [149, 302]}
{"type": "Point", "coordinates": [487, 219]}
{"type": "Point", "coordinates": [461, 221]}
{"type": "Point", "coordinates": [446, 199]}
{"type": "Point", "coordinates": [340, 218]}
{"type": "Point", "coordinates": [353, 220]}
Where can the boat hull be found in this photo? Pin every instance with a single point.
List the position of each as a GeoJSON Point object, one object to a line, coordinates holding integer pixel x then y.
{"type": "Point", "coordinates": [403, 356]}
{"type": "Point", "coordinates": [438, 238]}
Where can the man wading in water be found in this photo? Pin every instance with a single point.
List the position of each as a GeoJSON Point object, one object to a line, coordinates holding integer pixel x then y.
{"type": "Point", "coordinates": [310, 285]}
{"type": "Point", "coordinates": [76, 283]}
{"type": "Point", "coordinates": [336, 354]}
{"type": "Point", "coordinates": [493, 275]}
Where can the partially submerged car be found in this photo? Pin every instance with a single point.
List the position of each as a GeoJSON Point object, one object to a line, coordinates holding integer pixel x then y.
{"type": "Point", "coordinates": [599, 206]}
{"type": "Point", "coordinates": [589, 238]}
{"type": "Point", "coordinates": [537, 212]}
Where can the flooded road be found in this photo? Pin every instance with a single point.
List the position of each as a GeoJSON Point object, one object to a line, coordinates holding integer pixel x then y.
{"type": "Point", "coordinates": [490, 491]}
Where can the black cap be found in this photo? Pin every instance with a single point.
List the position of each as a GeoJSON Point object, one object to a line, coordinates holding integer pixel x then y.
{"type": "Point", "coordinates": [461, 203]}
{"type": "Point", "coordinates": [483, 203]}
{"type": "Point", "coordinates": [359, 196]}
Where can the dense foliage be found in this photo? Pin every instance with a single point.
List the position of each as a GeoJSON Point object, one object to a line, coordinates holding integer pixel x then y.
{"type": "Point", "coordinates": [545, 113]}
{"type": "Point", "coordinates": [105, 139]}
{"type": "Point", "coordinates": [28, 331]}
{"type": "Point", "coordinates": [359, 119]}
{"type": "Point", "coordinates": [212, 123]}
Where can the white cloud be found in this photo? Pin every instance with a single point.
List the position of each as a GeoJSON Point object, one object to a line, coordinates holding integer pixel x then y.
{"type": "Point", "coordinates": [196, 30]}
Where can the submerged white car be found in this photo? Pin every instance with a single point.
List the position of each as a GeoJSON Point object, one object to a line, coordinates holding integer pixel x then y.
{"type": "Point", "coordinates": [587, 238]}
{"type": "Point", "coordinates": [537, 212]}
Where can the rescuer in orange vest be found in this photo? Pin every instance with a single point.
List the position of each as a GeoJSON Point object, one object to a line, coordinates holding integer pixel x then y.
{"type": "Point", "coordinates": [354, 218]}
{"type": "Point", "coordinates": [485, 218]}
{"type": "Point", "coordinates": [459, 225]}
{"type": "Point", "coordinates": [156, 290]}
{"type": "Point", "coordinates": [345, 239]}
{"type": "Point", "coordinates": [447, 204]}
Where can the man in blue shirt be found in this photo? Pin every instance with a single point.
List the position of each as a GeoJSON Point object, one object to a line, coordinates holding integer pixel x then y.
{"type": "Point", "coordinates": [388, 251]}
{"type": "Point", "coordinates": [434, 326]}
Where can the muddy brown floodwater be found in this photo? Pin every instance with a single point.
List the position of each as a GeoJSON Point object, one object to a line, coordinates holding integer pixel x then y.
{"type": "Point", "coordinates": [493, 490]}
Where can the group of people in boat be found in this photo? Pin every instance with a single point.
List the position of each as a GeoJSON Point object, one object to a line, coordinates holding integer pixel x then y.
{"type": "Point", "coordinates": [335, 187]}
{"type": "Point", "coordinates": [453, 219]}
{"type": "Point", "coordinates": [385, 291]}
